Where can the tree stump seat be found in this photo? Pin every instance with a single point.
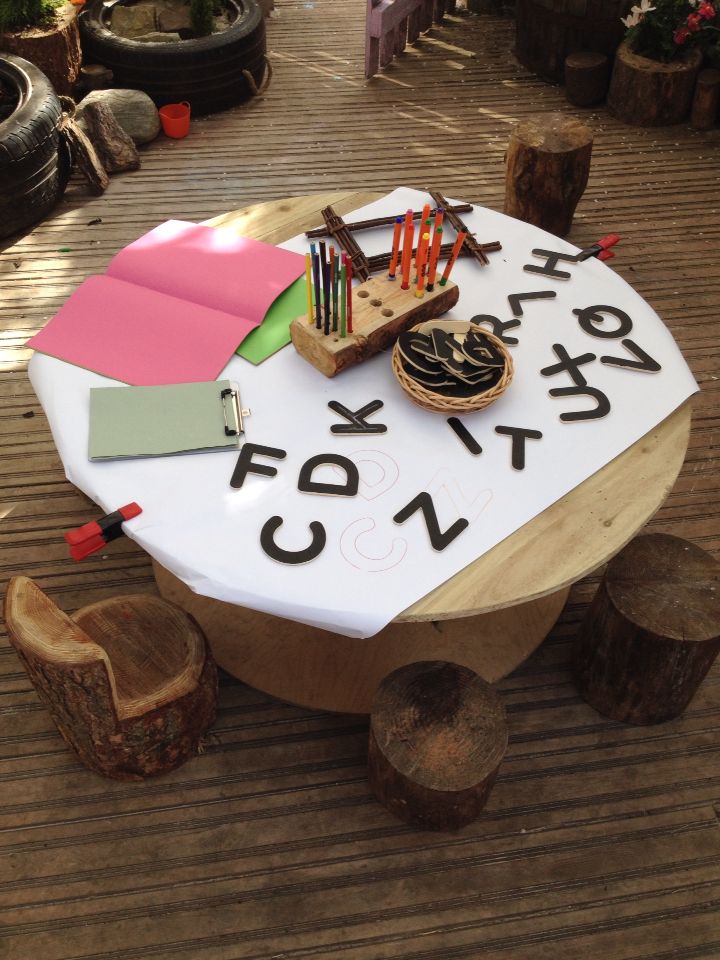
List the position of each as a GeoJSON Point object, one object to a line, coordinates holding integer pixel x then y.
{"type": "Point", "coordinates": [546, 171]}
{"type": "Point", "coordinates": [130, 682]}
{"type": "Point", "coordinates": [652, 631]}
{"type": "Point", "coordinates": [437, 737]}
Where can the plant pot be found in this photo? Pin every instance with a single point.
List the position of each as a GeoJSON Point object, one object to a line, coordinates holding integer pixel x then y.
{"type": "Point", "coordinates": [648, 93]}
{"type": "Point", "coordinates": [55, 50]}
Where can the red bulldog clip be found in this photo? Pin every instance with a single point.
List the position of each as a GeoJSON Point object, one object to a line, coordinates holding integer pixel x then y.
{"type": "Point", "coordinates": [601, 249]}
{"type": "Point", "coordinates": [92, 536]}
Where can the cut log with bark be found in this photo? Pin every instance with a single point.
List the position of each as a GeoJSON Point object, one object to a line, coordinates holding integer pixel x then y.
{"type": "Point", "coordinates": [84, 155]}
{"type": "Point", "coordinates": [55, 49]}
{"type": "Point", "coordinates": [587, 75]}
{"type": "Point", "coordinates": [130, 682]}
{"type": "Point", "coordinates": [706, 99]}
{"type": "Point", "coordinates": [437, 737]}
{"type": "Point", "coordinates": [652, 631]}
{"type": "Point", "coordinates": [546, 171]}
{"type": "Point", "coordinates": [115, 149]}
{"type": "Point", "coordinates": [648, 93]}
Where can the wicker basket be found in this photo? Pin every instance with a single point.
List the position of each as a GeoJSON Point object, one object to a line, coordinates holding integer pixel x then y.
{"type": "Point", "coordinates": [427, 398]}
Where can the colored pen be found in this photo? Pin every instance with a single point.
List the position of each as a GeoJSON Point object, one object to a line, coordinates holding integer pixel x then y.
{"type": "Point", "coordinates": [395, 248]}
{"type": "Point", "coordinates": [453, 257]}
{"type": "Point", "coordinates": [421, 254]}
{"type": "Point", "coordinates": [434, 255]}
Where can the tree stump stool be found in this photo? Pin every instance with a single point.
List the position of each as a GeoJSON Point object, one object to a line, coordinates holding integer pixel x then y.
{"type": "Point", "coordinates": [437, 737]}
{"type": "Point", "coordinates": [129, 682]}
{"type": "Point", "coordinates": [587, 76]}
{"type": "Point", "coordinates": [652, 631]}
{"type": "Point", "coordinates": [546, 171]}
{"type": "Point", "coordinates": [704, 111]}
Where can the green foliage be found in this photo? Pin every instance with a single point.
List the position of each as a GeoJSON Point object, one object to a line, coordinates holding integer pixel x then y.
{"type": "Point", "coordinates": [16, 14]}
{"type": "Point", "coordinates": [201, 14]}
{"type": "Point", "coordinates": [664, 29]}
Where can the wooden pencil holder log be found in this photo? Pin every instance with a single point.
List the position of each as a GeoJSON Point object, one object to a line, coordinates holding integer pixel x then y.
{"type": "Point", "coordinates": [381, 311]}
{"type": "Point", "coordinates": [652, 631]}
{"type": "Point", "coordinates": [431, 400]}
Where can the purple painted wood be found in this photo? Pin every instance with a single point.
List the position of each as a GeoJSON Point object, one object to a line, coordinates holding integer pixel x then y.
{"type": "Point", "coordinates": [390, 24]}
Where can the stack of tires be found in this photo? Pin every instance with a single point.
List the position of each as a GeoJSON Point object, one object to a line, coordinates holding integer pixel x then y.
{"type": "Point", "coordinates": [211, 73]}
{"type": "Point", "coordinates": [34, 159]}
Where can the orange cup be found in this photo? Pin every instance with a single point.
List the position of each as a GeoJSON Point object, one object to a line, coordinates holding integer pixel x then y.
{"type": "Point", "coordinates": [175, 119]}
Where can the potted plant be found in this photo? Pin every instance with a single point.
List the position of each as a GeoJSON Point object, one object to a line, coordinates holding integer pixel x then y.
{"type": "Point", "coordinates": [45, 32]}
{"type": "Point", "coordinates": [657, 64]}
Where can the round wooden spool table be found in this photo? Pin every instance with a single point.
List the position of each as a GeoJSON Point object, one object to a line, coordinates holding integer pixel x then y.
{"type": "Point", "coordinates": [489, 617]}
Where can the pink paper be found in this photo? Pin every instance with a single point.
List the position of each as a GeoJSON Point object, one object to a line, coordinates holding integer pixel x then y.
{"type": "Point", "coordinates": [209, 265]}
{"type": "Point", "coordinates": [141, 337]}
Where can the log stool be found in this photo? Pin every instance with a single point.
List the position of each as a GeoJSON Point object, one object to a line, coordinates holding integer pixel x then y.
{"type": "Point", "coordinates": [546, 171]}
{"type": "Point", "coordinates": [587, 75]}
{"type": "Point", "coordinates": [437, 737]}
{"type": "Point", "coordinates": [652, 631]}
{"type": "Point", "coordinates": [129, 682]}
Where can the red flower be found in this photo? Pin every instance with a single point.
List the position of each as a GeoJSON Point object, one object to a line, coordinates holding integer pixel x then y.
{"type": "Point", "coordinates": [694, 22]}
{"type": "Point", "coordinates": [706, 11]}
{"type": "Point", "coordinates": [681, 35]}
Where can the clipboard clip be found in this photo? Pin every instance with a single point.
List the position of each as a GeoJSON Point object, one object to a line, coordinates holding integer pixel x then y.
{"type": "Point", "coordinates": [233, 412]}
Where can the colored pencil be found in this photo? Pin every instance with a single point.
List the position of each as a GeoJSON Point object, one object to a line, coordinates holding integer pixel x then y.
{"type": "Point", "coordinates": [343, 300]}
{"type": "Point", "coordinates": [308, 283]}
{"type": "Point", "coordinates": [348, 264]}
{"type": "Point", "coordinates": [326, 291]}
{"type": "Point", "coordinates": [316, 280]}
{"type": "Point", "coordinates": [335, 284]}
{"type": "Point", "coordinates": [434, 254]}
{"type": "Point", "coordinates": [421, 255]}
{"type": "Point", "coordinates": [407, 254]}
{"type": "Point", "coordinates": [453, 257]}
{"type": "Point", "coordinates": [395, 248]}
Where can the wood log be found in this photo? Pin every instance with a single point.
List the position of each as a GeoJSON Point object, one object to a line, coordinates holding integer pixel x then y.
{"type": "Point", "coordinates": [648, 93]}
{"type": "Point", "coordinates": [381, 311]}
{"type": "Point", "coordinates": [115, 148]}
{"type": "Point", "coordinates": [55, 49]}
{"type": "Point", "coordinates": [704, 112]}
{"type": "Point", "coordinates": [547, 168]}
{"type": "Point", "coordinates": [587, 75]}
{"type": "Point", "coordinates": [437, 737]}
{"type": "Point", "coordinates": [548, 30]}
{"type": "Point", "coordinates": [84, 155]}
{"type": "Point", "coordinates": [129, 682]}
{"type": "Point", "coordinates": [652, 631]}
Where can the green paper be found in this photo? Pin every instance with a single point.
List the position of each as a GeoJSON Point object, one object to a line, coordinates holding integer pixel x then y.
{"type": "Point", "coordinates": [156, 421]}
{"type": "Point", "coordinates": [274, 332]}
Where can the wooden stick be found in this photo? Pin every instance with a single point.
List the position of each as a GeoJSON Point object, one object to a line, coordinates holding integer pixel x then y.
{"type": "Point", "coordinates": [475, 248]}
{"type": "Point", "coordinates": [380, 261]}
{"type": "Point", "coordinates": [384, 221]}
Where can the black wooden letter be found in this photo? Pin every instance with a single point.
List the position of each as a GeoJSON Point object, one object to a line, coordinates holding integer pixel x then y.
{"type": "Point", "coordinates": [267, 542]}
{"type": "Point", "coordinates": [246, 464]}
{"type": "Point", "coordinates": [519, 436]}
{"type": "Point", "coordinates": [306, 484]}
{"type": "Point", "coordinates": [438, 540]}
{"type": "Point", "coordinates": [568, 364]}
{"type": "Point", "coordinates": [356, 418]}
{"type": "Point", "coordinates": [602, 407]}
{"type": "Point", "coordinates": [590, 317]}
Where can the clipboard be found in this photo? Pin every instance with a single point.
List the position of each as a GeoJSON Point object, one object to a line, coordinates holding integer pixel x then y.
{"type": "Point", "coordinates": [160, 421]}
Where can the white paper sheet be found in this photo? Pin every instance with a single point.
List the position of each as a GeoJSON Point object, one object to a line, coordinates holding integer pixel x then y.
{"type": "Point", "coordinates": [372, 568]}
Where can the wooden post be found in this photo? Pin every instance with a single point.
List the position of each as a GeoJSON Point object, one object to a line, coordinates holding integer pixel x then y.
{"type": "Point", "coordinates": [547, 168]}
{"type": "Point", "coordinates": [130, 682]}
{"type": "Point", "coordinates": [437, 737]}
{"type": "Point", "coordinates": [652, 631]}
{"type": "Point", "coordinates": [587, 75]}
{"type": "Point", "coordinates": [704, 111]}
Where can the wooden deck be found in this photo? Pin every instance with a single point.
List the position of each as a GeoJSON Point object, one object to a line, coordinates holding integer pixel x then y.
{"type": "Point", "coordinates": [599, 841]}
